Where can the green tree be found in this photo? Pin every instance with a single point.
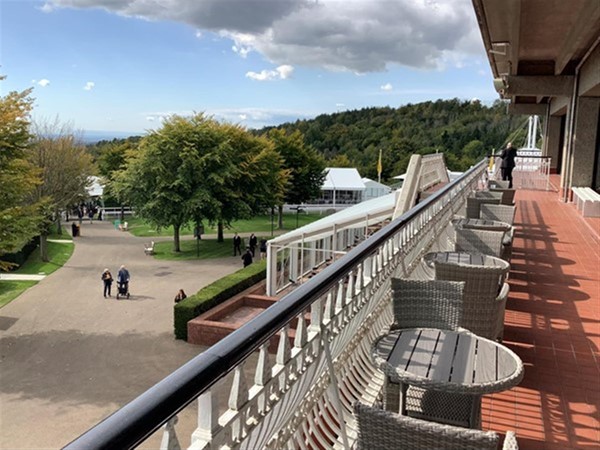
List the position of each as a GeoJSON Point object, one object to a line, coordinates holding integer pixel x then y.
{"type": "Point", "coordinates": [304, 165]}
{"type": "Point", "coordinates": [19, 218]}
{"type": "Point", "coordinates": [195, 169]}
{"type": "Point", "coordinates": [66, 168]}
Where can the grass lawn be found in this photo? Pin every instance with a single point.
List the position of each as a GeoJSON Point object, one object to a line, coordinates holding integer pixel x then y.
{"type": "Point", "coordinates": [9, 290]}
{"type": "Point", "coordinates": [258, 224]}
{"type": "Point", "coordinates": [64, 236]}
{"type": "Point", "coordinates": [58, 253]}
{"type": "Point", "coordinates": [209, 249]}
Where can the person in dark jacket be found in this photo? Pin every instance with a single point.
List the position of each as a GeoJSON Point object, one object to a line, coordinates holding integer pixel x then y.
{"type": "Point", "coordinates": [237, 245]}
{"type": "Point", "coordinates": [247, 257]}
{"type": "Point", "coordinates": [107, 279]}
{"type": "Point", "coordinates": [507, 165]}
{"type": "Point", "coordinates": [252, 243]}
{"type": "Point", "coordinates": [123, 278]}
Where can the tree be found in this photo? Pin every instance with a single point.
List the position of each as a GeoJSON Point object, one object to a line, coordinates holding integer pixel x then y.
{"type": "Point", "coordinates": [196, 168]}
{"type": "Point", "coordinates": [65, 166]}
{"type": "Point", "coordinates": [256, 180]}
{"type": "Point", "coordinates": [19, 218]}
{"type": "Point", "coordinates": [304, 165]}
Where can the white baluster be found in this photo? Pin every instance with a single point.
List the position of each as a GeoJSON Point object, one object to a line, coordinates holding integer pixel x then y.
{"type": "Point", "coordinates": [316, 315]}
{"type": "Point", "coordinates": [238, 396]}
{"type": "Point", "coordinates": [262, 376]}
{"type": "Point", "coordinates": [283, 356]}
{"type": "Point", "coordinates": [208, 423]}
{"type": "Point", "coordinates": [169, 438]}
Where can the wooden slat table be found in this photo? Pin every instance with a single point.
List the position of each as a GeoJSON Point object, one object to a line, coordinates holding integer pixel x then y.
{"type": "Point", "coordinates": [481, 224]}
{"type": "Point", "coordinates": [464, 258]}
{"type": "Point", "coordinates": [457, 362]}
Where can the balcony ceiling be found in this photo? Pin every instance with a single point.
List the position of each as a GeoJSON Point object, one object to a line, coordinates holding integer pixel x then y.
{"type": "Point", "coordinates": [527, 38]}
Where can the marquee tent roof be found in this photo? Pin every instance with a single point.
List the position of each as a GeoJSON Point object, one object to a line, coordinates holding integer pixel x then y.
{"type": "Point", "coordinates": [342, 179]}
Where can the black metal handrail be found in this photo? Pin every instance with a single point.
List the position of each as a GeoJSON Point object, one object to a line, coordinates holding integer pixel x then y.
{"type": "Point", "coordinates": [135, 422]}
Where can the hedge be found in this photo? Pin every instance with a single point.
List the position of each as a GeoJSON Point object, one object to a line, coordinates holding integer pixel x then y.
{"type": "Point", "coordinates": [21, 256]}
{"type": "Point", "coordinates": [214, 294]}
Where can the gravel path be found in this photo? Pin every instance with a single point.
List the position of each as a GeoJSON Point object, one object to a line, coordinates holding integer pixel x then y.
{"type": "Point", "coordinates": [69, 357]}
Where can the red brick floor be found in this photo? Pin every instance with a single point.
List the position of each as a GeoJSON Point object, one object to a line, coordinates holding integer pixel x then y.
{"type": "Point", "coordinates": [552, 323]}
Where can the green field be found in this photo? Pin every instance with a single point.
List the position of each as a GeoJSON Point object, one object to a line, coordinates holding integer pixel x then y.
{"type": "Point", "coordinates": [9, 290]}
{"type": "Point", "coordinates": [58, 253]}
{"type": "Point", "coordinates": [209, 249]}
{"type": "Point", "coordinates": [258, 224]}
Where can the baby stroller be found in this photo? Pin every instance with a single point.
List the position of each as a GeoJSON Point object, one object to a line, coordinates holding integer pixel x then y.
{"type": "Point", "coordinates": [123, 289]}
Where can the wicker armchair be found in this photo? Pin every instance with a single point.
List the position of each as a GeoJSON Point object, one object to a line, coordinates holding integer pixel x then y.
{"type": "Point", "coordinates": [384, 430]}
{"type": "Point", "coordinates": [484, 297]}
{"type": "Point", "coordinates": [498, 184]}
{"type": "Point", "coordinates": [502, 213]}
{"type": "Point", "coordinates": [429, 304]}
{"type": "Point", "coordinates": [479, 241]}
{"type": "Point", "coordinates": [508, 194]}
{"type": "Point", "coordinates": [474, 204]}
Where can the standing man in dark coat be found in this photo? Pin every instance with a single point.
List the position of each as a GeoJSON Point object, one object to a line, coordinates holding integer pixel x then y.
{"type": "Point", "coordinates": [252, 243]}
{"type": "Point", "coordinates": [507, 165]}
{"type": "Point", "coordinates": [237, 245]}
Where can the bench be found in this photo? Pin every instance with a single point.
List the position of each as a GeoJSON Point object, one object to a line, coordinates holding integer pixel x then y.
{"type": "Point", "coordinates": [149, 248]}
{"type": "Point", "coordinates": [587, 201]}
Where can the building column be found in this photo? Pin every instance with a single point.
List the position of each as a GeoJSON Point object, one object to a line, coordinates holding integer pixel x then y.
{"type": "Point", "coordinates": [552, 141]}
{"type": "Point", "coordinates": [585, 140]}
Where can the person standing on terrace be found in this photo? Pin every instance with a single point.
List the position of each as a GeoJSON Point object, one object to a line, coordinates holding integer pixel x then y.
{"type": "Point", "coordinates": [507, 165]}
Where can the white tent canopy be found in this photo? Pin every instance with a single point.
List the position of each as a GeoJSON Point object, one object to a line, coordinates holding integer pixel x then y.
{"type": "Point", "coordinates": [342, 179]}
{"type": "Point", "coordinates": [95, 189]}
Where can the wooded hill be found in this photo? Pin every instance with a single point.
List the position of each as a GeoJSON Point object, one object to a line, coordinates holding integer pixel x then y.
{"type": "Point", "coordinates": [464, 131]}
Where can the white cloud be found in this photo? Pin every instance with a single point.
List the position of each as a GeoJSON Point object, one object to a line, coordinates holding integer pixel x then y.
{"type": "Point", "coordinates": [386, 87]}
{"type": "Point", "coordinates": [47, 7]}
{"type": "Point", "coordinates": [354, 35]}
{"type": "Point", "coordinates": [242, 51]}
{"type": "Point", "coordinates": [89, 86]}
{"type": "Point", "coordinates": [43, 82]}
{"type": "Point", "coordinates": [243, 116]}
{"type": "Point", "coordinates": [280, 73]}
{"type": "Point", "coordinates": [199, 34]}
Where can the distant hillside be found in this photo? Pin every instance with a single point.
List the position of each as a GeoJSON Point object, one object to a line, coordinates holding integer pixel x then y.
{"type": "Point", "coordinates": [463, 131]}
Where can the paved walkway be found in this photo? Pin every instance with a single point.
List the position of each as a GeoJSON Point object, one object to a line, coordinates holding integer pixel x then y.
{"type": "Point", "coordinates": [69, 357]}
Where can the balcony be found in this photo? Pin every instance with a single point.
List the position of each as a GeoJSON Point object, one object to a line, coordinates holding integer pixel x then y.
{"type": "Point", "coordinates": [238, 395]}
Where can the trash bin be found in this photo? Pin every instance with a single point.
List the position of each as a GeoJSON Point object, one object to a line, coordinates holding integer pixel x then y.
{"type": "Point", "coordinates": [74, 229]}
{"type": "Point", "coordinates": [117, 222]}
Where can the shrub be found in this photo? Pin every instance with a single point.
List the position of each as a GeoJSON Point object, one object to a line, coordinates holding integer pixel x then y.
{"type": "Point", "coordinates": [216, 293]}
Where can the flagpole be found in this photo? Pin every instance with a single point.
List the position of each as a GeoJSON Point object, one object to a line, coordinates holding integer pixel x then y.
{"type": "Point", "coordinates": [379, 168]}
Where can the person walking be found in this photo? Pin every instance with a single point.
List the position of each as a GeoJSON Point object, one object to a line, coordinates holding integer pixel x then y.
{"type": "Point", "coordinates": [507, 165]}
{"type": "Point", "coordinates": [123, 278]}
{"type": "Point", "coordinates": [107, 279]}
{"type": "Point", "coordinates": [237, 245]}
{"type": "Point", "coordinates": [263, 248]}
{"type": "Point", "coordinates": [252, 243]}
{"type": "Point", "coordinates": [247, 257]}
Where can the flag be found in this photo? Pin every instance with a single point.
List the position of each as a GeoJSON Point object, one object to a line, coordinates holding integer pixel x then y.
{"type": "Point", "coordinates": [379, 168]}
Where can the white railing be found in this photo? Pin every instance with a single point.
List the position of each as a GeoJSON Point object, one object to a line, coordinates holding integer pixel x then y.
{"type": "Point", "coordinates": [301, 396]}
{"type": "Point", "coordinates": [531, 171]}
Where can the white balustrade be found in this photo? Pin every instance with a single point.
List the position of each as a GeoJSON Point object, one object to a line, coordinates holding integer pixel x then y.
{"type": "Point", "coordinates": [304, 400]}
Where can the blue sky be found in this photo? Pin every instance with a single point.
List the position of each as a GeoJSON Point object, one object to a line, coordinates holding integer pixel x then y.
{"type": "Point", "coordinates": [122, 65]}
